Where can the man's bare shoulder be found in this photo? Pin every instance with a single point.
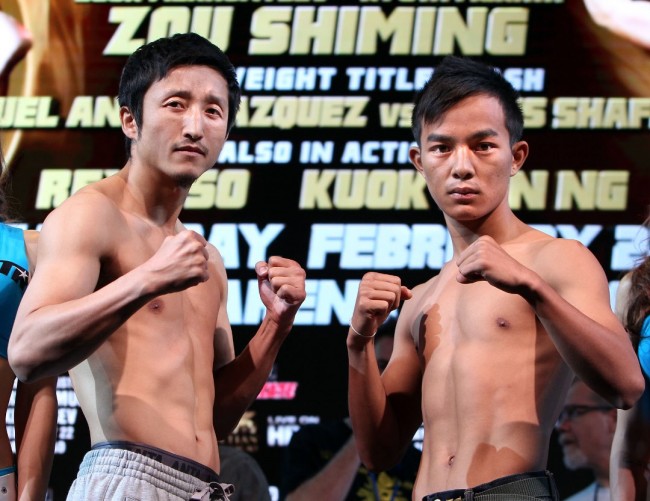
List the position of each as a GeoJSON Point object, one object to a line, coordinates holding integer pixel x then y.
{"type": "Point", "coordinates": [215, 257]}
{"type": "Point", "coordinates": [90, 202]}
{"type": "Point", "coordinates": [560, 252]}
{"type": "Point", "coordinates": [562, 262]}
{"type": "Point", "coordinates": [214, 254]}
{"type": "Point", "coordinates": [89, 217]}
{"type": "Point", "coordinates": [539, 249]}
{"type": "Point", "coordinates": [421, 292]}
{"type": "Point", "coordinates": [421, 289]}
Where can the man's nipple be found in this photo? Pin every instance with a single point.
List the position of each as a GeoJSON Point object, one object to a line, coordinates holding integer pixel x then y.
{"type": "Point", "coordinates": [503, 323]}
{"type": "Point", "coordinates": [155, 306]}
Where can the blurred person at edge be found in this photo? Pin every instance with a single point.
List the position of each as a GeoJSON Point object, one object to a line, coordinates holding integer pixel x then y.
{"type": "Point", "coordinates": [15, 42]}
{"type": "Point", "coordinates": [245, 473]}
{"type": "Point", "coordinates": [629, 19]}
{"type": "Point", "coordinates": [26, 475]}
{"type": "Point", "coordinates": [630, 459]}
{"type": "Point", "coordinates": [585, 431]}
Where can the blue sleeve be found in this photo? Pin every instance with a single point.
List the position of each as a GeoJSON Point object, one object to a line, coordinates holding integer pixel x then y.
{"type": "Point", "coordinates": [644, 347]}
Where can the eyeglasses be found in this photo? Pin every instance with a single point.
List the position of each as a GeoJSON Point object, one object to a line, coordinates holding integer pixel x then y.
{"type": "Point", "coordinates": [570, 412]}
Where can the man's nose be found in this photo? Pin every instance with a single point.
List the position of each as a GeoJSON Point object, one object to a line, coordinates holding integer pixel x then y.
{"type": "Point", "coordinates": [563, 423]}
{"type": "Point", "coordinates": [193, 124]}
{"type": "Point", "coordinates": [463, 167]}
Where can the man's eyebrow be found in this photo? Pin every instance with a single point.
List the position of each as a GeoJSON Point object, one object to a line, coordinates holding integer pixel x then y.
{"type": "Point", "coordinates": [444, 138]}
{"type": "Point", "coordinates": [480, 134]}
{"type": "Point", "coordinates": [439, 138]}
{"type": "Point", "coordinates": [187, 94]}
{"type": "Point", "coordinates": [184, 93]}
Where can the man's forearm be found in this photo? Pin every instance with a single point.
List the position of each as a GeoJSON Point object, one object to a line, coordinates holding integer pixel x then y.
{"type": "Point", "coordinates": [75, 329]}
{"type": "Point", "coordinates": [630, 454]}
{"type": "Point", "coordinates": [35, 418]}
{"type": "Point", "coordinates": [375, 426]}
{"type": "Point", "coordinates": [238, 383]}
{"type": "Point", "coordinates": [601, 357]}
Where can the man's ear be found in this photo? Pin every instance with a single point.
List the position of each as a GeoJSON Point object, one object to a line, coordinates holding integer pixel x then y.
{"type": "Point", "coordinates": [129, 125]}
{"type": "Point", "coordinates": [519, 155]}
{"type": "Point", "coordinates": [416, 158]}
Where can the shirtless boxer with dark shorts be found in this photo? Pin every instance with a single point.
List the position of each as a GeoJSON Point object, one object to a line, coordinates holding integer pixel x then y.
{"type": "Point", "coordinates": [486, 350]}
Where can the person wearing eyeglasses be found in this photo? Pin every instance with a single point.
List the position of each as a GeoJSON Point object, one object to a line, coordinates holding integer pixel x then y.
{"type": "Point", "coordinates": [585, 431]}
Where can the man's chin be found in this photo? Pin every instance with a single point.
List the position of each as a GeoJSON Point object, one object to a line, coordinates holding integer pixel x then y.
{"type": "Point", "coordinates": [184, 181]}
{"type": "Point", "coordinates": [574, 460]}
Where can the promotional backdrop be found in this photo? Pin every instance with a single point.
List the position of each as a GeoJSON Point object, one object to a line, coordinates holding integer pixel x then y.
{"type": "Point", "coordinates": [316, 168]}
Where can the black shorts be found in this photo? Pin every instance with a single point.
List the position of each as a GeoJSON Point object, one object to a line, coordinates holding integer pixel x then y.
{"type": "Point", "coordinates": [522, 486]}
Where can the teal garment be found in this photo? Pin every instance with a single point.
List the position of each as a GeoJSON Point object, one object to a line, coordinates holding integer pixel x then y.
{"type": "Point", "coordinates": [14, 274]}
{"type": "Point", "coordinates": [644, 347]}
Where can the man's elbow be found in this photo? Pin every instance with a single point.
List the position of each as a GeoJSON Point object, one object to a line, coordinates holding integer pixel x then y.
{"type": "Point", "coordinates": [223, 427]}
{"type": "Point", "coordinates": [378, 459]}
{"type": "Point", "coordinates": [632, 391]}
{"type": "Point", "coordinates": [21, 360]}
{"type": "Point", "coordinates": [376, 465]}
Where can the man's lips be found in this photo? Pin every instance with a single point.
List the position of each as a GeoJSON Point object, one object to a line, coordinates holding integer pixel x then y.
{"type": "Point", "coordinates": [463, 193]}
{"type": "Point", "coordinates": [191, 149]}
{"type": "Point", "coordinates": [566, 441]}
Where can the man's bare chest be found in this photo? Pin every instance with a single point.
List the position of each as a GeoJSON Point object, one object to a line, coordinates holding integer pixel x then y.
{"type": "Point", "coordinates": [134, 247]}
{"type": "Point", "coordinates": [453, 317]}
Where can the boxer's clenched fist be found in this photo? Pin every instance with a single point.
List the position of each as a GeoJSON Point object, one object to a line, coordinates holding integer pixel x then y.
{"type": "Point", "coordinates": [179, 263]}
{"type": "Point", "coordinates": [282, 287]}
{"type": "Point", "coordinates": [378, 295]}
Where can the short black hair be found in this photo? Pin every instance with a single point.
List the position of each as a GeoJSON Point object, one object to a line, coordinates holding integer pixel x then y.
{"type": "Point", "coordinates": [457, 78]}
{"type": "Point", "coordinates": [153, 61]}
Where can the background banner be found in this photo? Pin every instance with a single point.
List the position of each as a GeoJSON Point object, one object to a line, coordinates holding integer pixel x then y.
{"type": "Point", "coordinates": [316, 168]}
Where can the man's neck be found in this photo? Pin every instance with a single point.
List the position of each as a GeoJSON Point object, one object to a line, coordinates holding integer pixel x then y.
{"type": "Point", "coordinates": [502, 228]}
{"type": "Point", "coordinates": [153, 198]}
{"type": "Point", "coordinates": [602, 479]}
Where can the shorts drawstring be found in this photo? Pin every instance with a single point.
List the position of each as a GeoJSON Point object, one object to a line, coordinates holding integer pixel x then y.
{"type": "Point", "coordinates": [214, 492]}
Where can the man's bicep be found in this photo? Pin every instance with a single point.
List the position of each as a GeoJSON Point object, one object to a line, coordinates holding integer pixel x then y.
{"type": "Point", "coordinates": [67, 263]}
{"type": "Point", "coordinates": [402, 379]}
{"type": "Point", "coordinates": [579, 278]}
